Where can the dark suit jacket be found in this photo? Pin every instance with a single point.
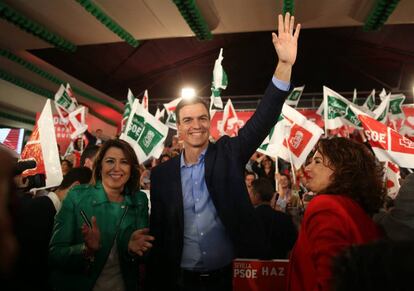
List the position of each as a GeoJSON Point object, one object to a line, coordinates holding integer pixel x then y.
{"type": "Point", "coordinates": [280, 232]}
{"type": "Point", "coordinates": [34, 230]}
{"type": "Point", "coordinates": [224, 174]}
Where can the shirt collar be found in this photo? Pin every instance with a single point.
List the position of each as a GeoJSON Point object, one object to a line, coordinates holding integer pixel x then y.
{"type": "Point", "coordinates": [200, 159]}
{"type": "Point", "coordinates": [55, 200]}
{"type": "Point", "coordinates": [102, 198]}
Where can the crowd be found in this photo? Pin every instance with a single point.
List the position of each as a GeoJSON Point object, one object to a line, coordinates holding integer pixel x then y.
{"type": "Point", "coordinates": [178, 222]}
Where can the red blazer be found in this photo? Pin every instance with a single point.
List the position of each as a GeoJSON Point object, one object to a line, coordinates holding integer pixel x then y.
{"type": "Point", "coordinates": [331, 223]}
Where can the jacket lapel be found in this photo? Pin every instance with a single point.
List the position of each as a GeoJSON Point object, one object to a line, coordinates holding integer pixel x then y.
{"type": "Point", "coordinates": [177, 192]}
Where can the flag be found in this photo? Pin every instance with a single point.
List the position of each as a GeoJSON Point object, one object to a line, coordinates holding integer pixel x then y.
{"type": "Point", "coordinates": [383, 94]}
{"type": "Point", "coordinates": [407, 127]}
{"type": "Point", "coordinates": [171, 121]}
{"type": "Point", "coordinates": [381, 112]}
{"type": "Point", "coordinates": [144, 133]}
{"type": "Point", "coordinates": [219, 83]}
{"type": "Point", "coordinates": [69, 91]}
{"type": "Point", "coordinates": [294, 96]}
{"type": "Point", "coordinates": [266, 146]}
{"type": "Point", "coordinates": [159, 113]}
{"type": "Point", "coordinates": [230, 124]}
{"type": "Point", "coordinates": [392, 176]}
{"type": "Point", "coordinates": [64, 103]}
{"type": "Point", "coordinates": [369, 103]}
{"type": "Point", "coordinates": [319, 111]}
{"type": "Point", "coordinates": [396, 101]}
{"type": "Point", "coordinates": [293, 137]}
{"type": "Point", "coordinates": [337, 111]}
{"type": "Point", "coordinates": [145, 100]}
{"type": "Point", "coordinates": [77, 120]}
{"type": "Point", "coordinates": [387, 144]}
{"type": "Point", "coordinates": [127, 109]}
{"type": "Point", "coordinates": [42, 147]}
{"type": "Point", "coordinates": [354, 97]}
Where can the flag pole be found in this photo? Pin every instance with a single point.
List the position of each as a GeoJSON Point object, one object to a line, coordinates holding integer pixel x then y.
{"type": "Point", "coordinates": [276, 172]}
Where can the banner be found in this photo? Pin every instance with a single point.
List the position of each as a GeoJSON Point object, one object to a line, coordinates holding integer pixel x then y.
{"type": "Point", "coordinates": [259, 275]}
{"type": "Point", "coordinates": [144, 133]}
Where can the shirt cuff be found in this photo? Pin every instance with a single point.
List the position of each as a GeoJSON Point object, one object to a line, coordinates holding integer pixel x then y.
{"type": "Point", "coordinates": [55, 200]}
{"type": "Point", "coordinates": [281, 85]}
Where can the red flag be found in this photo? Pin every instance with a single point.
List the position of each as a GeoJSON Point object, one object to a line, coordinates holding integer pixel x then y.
{"type": "Point", "coordinates": [388, 144]}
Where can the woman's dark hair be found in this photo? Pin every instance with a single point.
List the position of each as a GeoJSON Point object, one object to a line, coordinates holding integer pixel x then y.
{"type": "Point", "coordinates": [357, 173]}
{"type": "Point", "coordinates": [132, 183]}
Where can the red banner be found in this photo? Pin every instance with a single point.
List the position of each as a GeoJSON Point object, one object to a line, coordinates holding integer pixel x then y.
{"type": "Point", "coordinates": [255, 275]}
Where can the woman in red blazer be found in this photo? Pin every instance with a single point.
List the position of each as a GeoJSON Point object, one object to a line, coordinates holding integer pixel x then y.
{"type": "Point", "coordinates": [349, 186]}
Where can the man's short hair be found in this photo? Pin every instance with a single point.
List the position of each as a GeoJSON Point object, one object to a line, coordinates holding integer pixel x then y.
{"type": "Point", "coordinates": [82, 175]}
{"type": "Point", "coordinates": [192, 101]}
{"type": "Point", "coordinates": [89, 153]}
{"type": "Point", "coordinates": [263, 188]}
{"type": "Point", "coordinates": [248, 173]}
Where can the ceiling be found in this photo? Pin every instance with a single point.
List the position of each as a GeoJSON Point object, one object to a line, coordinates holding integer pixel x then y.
{"type": "Point", "coordinates": [334, 50]}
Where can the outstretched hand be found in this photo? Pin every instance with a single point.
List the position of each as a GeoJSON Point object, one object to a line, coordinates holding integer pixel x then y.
{"type": "Point", "coordinates": [286, 42]}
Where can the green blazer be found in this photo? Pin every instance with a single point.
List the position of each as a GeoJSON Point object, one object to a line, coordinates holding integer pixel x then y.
{"type": "Point", "coordinates": [70, 270]}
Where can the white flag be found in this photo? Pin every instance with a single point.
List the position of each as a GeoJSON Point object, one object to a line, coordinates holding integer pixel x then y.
{"type": "Point", "coordinates": [77, 119]}
{"type": "Point", "coordinates": [49, 147]}
{"type": "Point", "coordinates": [64, 103]}
{"type": "Point", "coordinates": [144, 133]}
{"type": "Point", "coordinates": [381, 112]}
{"type": "Point", "coordinates": [145, 100]}
{"type": "Point", "coordinates": [230, 124]}
{"type": "Point", "coordinates": [159, 113]}
{"type": "Point", "coordinates": [219, 83]}
{"type": "Point", "coordinates": [396, 102]}
{"type": "Point", "coordinates": [337, 111]}
{"type": "Point", "coordinates": [298, 138]}
{"type": "Point", "coordinates": [127, 109]}
{"type": "Point", "coordinates": [294, 96]}
{"type": "Point", "coordinates": [171, 121]}
{"type": "Point", "coordinates": [369, 103]}
{"type": "Point", "coordinates": [354, 97]}
{"type": "Point", "coordinates": [392, 172]}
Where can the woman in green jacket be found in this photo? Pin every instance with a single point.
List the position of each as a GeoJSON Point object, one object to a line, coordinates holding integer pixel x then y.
{"type": "Point", "coordinates": [101, 228]}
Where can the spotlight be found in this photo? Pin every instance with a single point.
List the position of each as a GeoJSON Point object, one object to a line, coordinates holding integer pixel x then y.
{"type": "Point", "coordinates": [188, 93]}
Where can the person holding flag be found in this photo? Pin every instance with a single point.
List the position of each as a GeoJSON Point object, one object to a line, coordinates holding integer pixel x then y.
{"type": "Point", "coordinates": [201, 216]}
{"type": "Point", "coordinates": [348, 182]}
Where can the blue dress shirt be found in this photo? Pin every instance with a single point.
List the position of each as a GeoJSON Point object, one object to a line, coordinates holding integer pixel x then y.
{"type": "Point", "coordinates": [207, 245]}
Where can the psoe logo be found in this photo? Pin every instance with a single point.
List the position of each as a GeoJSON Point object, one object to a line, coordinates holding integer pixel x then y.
{"type": "Point", "coordinates": [296, 140]}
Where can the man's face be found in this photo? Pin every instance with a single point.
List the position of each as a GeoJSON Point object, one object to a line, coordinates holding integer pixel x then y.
{"type": "Point", "coordinates": [98, 133]}
{"type": "Point", "coordinates": [249, 180]}
{"type": "Point", "coordinates": [194, 125]}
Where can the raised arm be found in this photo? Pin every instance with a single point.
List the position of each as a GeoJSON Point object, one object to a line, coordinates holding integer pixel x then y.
{"type": "Point", "coordinates": [286, 45]}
